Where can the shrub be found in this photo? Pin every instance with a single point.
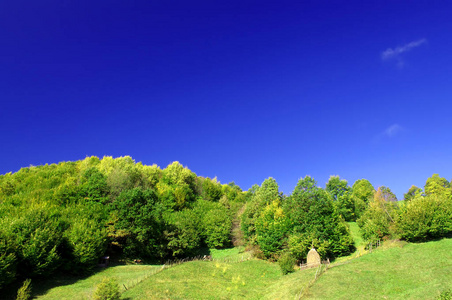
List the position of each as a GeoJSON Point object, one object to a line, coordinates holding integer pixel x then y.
{"type": "Point", "coordinates": [24, 292]}
{"type": "Point", "coordinates": [8, 259]}
{"type": "Point", "coordinates": [108, 289]}
{"type": "Point", "coordinates": [287, 263]}
{"type": "Point", "coordinates": [378, 220]}
{"type": "Point", "coordinates": [445, 295]}
{"type": "Point", "coordinates": [217, 228]}
{"type": "Point", "coordinates": [87, 241]}
{"type": "Point", "coordinates": [426, 218]}
{"type": "Point", "coordinates": [313, 219]}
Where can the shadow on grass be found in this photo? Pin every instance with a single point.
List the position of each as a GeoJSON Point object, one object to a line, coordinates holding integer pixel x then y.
{"type": "Point", "coordinates": [40, 286]}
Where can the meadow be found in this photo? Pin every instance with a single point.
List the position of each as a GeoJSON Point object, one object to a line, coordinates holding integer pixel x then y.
{"type": "Point", "coordinates": [396, 270]}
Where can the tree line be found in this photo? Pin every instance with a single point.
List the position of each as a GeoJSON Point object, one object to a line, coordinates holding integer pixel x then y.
{"type": "Point", "coordinates": [64, 217]}
{"type": "Point", "coordinates": [285, 227]}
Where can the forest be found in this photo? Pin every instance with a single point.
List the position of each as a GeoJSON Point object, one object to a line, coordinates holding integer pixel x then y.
{"type": "Point", "coordinates": [64, 217]}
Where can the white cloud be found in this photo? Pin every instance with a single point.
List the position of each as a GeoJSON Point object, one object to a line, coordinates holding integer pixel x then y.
{"type": "Point", "coordinates": [393, 130]}
{"type": "Point", "coordinates": [388, 133]}
{"type": "Point", "coordinates": [397, 52]}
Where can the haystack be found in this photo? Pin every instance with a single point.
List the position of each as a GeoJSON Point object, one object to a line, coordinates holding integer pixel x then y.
{"type": "Point", "coordinates": [313, 259]}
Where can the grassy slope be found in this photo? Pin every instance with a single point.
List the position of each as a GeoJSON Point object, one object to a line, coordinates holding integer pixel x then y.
{"type": "Point", "coordinates": [209, 280]}
{"type": "Point", "coordinates": [223, 278]}
{"type": "Point", "coordinates": [416, 271]}
{"type": "Point", "coordinates": [70, 288]}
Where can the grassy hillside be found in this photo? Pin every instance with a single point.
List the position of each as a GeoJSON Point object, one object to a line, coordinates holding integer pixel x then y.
{"type": "Point", "coordinates": [209, 280]}
{"type": "Point", "coordinates": [410, 271]}
{"type": "Point", "coordinates": [396, 270]}
{"type": "Point", "coordinates": [73, 288]}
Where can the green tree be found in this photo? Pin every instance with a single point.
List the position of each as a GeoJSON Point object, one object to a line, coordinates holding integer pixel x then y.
{"type": "Point", "coordinates": [378, 220]}
{"type": "Point", "coordinates": [8, 259]}
{"type": "Point", "coordinates": [412, 192]}
{"type": "Point", "coordinates": [94, 186]}
{"type": "Point", "coordinates": [85, 239]}
{"type": "Point", "coordinates": [271, 229]}
{"type": "Point", "coordinates": [314, 221]}
{"type": "Point", "coordinates": [39, 233]}
{"type": "Point", "coordinates": [387, 194]}
{"type": "Point", "coordinates": [363, 192]}
{"type": "Point", "coordinates": [260, 198]}
{"type": "Point", "coordinates": [215, 223]}
{"type": "Point", "coordinates": [183, 233]}
{"type": "Point", "coordinates": [342, 196]}
{"type": "Point", "coordinates": [138, 217]}
{"type": "Point", "coordinates": [425, 218]}
{"type": "Point", "coordinates": [177, 187]}
{"type": "Point", "coordinates": [438, 186]}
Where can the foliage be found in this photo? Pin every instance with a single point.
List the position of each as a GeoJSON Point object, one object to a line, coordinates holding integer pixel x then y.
{"type": "Point", "coordinates": [271, 229]}
{"type": "Point", "coordinates": [363, 192]}
{"type": "Point", "coordinates": [86, 240]}
{"type": "Point", "coordinates": [438, 186]}
{"type": "Point", "coordinates": [412, 192]}
{"type": "Point", "coordinates": [260, 197]}
{"type": "Point", "coordinates": [66, 216]}
{"type": "Point", "coordinates": [215, 223]}
{"type": "Point", "coordinates": [426, 218]}
{"type": "Point", "coordinates": [445, 295]}
{"type": "Point", "coordinates": [108, 289]}
{"type": "Point", "coordinates": [24, 292]}
{"type": "Point", "coordinates": [182, 233]}
{"type": "Point", "coordinates": [8, 260]}
{"type": "Point", "coordinates": [379, 218]}
{"type": "Point", "coordinates": [140, 218]}
{"type": "Point", "coordinates": [315, 222]}
{"type": "Point", "coordinates": [287, 263]}
{"type": "Point", "coordinates": [38, 234]}
{"type": "Point", "coordinates": [342, 197]}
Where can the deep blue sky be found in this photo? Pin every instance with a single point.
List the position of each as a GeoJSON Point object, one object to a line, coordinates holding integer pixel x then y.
{"type": "Point", "coordinates": [241, 90]}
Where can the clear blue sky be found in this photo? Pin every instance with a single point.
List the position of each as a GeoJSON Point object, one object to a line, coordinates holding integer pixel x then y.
{"type": "Point", "coordinates": [241, 90]}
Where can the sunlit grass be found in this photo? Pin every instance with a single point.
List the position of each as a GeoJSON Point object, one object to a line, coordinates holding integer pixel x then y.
{"type": "Point", "coordinates": [209, 280]}
{"type": "Point", "coordinates": [71, 288]}
{"type": "Point", "coordinates": [395, 271]}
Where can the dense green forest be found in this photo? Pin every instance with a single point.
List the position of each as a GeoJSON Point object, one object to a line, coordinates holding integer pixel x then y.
{"type": "Point", "coordinates": [64, 217]}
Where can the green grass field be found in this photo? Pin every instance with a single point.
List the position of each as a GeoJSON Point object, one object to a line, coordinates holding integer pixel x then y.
{"type": "Point", "coordinates": [397, 270]}
{"type": "Point", "coordinates": [74, 289]}
{"type": "Point", "coordinates": [414, 271]}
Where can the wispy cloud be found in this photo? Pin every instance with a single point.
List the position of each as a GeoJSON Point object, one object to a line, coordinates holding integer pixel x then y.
{"type": "Point", "coordinates": [396, 52]}
{"type": "Point", "coordinates": [388, 133]}
{"type": "Point", "coordinates": [393, 130]}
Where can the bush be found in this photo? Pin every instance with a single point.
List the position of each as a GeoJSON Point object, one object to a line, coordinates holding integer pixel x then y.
{"type": "Point", "coordinates": [8, 259]}
{"type": "Point", "coordinates": [425, 218]}
{"type": "Point", "coordinates": [24, 293]}
{"type": "Point", "coordinates": [445, 295]}
{"type": "Point", "coordinates": [313, 219]}
{"type": "Point", "coordinates": [87, 241]}
{"type": "Point", "coordinates": [287, 263]}
{"type": "Point", "coordinates": [215, 223]}
{"type": "Point", "coordinates": [377, 221]}
{"type": "Point", "coordinates": [108, 289]}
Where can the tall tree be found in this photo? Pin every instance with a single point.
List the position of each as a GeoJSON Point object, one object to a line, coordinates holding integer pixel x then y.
{"type": "Point", "coordinates": [342, 196]}
{"type": "Point", "coordinates": [438, 186]}
{"type": "Point", "coordinates": [315, 222]}
{"type": "Point", "coordinates": [412, 192]}
{"type": "Point", "coordinates": [363, 191]}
